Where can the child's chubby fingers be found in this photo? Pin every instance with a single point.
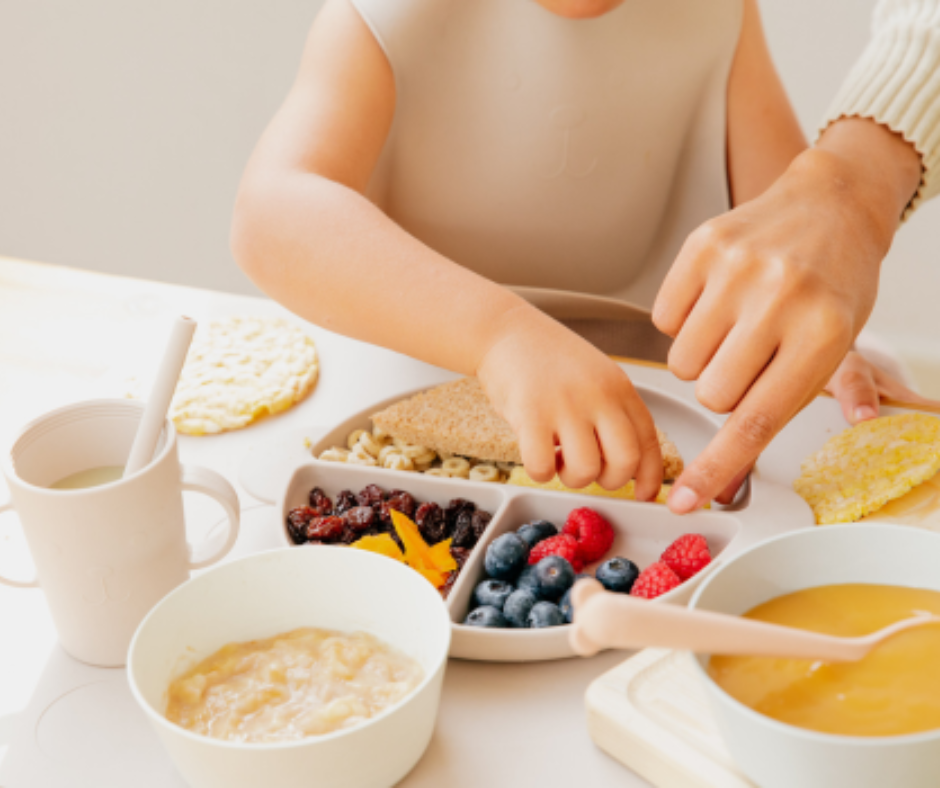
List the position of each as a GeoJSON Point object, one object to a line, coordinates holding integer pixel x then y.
{"type": "Point", "coordinates": [649, 471]}
{"type": "Point", "coordinates": [620, 451]}
{"type": "Point", "coordinates": [580, 454]}
{"type": "Point", "coordinates": [627, 437]}
{"type": "Point", "coordinates": [537, 446]}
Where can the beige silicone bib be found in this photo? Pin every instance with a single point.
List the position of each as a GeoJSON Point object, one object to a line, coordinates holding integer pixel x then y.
{"type": "Point", "coordinates": [553, 153]}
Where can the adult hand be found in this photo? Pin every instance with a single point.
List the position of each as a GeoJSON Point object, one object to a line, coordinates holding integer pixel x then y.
{"type": "Point", "coordinates": [554, 388]}
{"type": "Point", "coordinates": [859, 386]}
{"type": "Point", "coordinates": [765, 301]}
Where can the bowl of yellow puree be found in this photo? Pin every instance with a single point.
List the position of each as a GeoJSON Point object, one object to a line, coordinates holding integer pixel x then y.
{"type": "Point", "coordinates": [802, 724]}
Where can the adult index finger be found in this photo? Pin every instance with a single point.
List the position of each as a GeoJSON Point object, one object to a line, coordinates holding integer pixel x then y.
{"type": "Point", "coordinates": [787, 385]}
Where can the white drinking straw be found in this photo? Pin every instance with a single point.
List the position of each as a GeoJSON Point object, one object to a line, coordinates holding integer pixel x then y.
{"type": "Point", "coordinates": [161, 395]}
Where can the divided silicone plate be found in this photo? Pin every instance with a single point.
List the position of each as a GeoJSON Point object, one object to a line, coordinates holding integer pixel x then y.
{"type": "Point", "coordinates": [643, 530]}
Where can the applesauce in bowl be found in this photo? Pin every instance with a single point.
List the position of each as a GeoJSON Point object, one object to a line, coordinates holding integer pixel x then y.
{"type": "Point", "coordinates": [787, 573]}
{"type": "Point", "coordinates": [893, 691]}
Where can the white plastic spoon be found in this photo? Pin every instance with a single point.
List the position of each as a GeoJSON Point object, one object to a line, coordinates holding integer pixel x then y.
{"type": "Point", "coordinates": [606, 620]}
{"type": "Point", "coordinates": [161, 395]}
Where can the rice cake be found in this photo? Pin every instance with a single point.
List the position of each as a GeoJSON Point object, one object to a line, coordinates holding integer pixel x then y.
{"type": "Point", "coordinates": [240, 369]}
{"type": "Point", "coordinates": [858, 471]}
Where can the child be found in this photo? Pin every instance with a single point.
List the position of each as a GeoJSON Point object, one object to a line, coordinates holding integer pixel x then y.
{"type": "Point", "coordinates": [562, 144]}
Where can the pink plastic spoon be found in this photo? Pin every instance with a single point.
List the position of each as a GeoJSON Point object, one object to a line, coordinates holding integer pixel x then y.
{"type": "Point", "coordinates": [605, 620]}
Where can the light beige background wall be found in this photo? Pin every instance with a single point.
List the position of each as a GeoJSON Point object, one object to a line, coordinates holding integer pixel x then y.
{"type": "Point", "coordinates": [124, 126]}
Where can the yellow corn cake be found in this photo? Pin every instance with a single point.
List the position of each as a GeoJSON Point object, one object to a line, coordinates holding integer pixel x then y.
{"type": "Point", "coordinates": [858, 471]}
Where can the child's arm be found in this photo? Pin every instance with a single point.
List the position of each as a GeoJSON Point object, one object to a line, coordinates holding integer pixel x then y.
{"type": "Point", "coordinates": [764, 136]}
{"type": "Point", "coordinates": [304, 232]}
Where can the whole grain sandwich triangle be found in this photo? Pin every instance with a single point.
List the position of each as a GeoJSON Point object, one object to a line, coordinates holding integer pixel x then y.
{"type": "Point", "coordinates": [457, 418]}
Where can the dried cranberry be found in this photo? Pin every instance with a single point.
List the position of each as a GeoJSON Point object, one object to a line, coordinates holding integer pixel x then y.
{"type": "Point", "coordinates": [345, 500]}
{"type": "Point", "coordinates": [460, 555]}
{"type": "Point", "coordinates": [371, 495]}
{"type": "Point", "coordinates": [297, 520]}
{"type": "Point", "coordinates": [360, 518]}
{"type": "Point", "coordinates": [382, 518]}
{"type": "Point", "coordinates": [463, 531]}
{"type": "Point", "coordinates": [349, 535]}
{"type": "Point", "coordinates": [320, 502]}
{"type": "Point", "coordinates": [403, 502]}
{"type": "Point", "coordinates": [431, 523]}
{"type": "Point", "coordinates": [326, 529]}
{"type": "Point", "coordinates": [453, 510]}
{"type": "Point", "coordinates": [479, 520]}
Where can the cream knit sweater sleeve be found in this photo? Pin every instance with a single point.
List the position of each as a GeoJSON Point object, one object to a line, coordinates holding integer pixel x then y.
{"type": "Point", "coordinates": [897, 82]}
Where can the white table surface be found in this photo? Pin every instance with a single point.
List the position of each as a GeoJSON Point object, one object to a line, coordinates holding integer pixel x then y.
{"type": "Point", "coordinates": [67, 335]}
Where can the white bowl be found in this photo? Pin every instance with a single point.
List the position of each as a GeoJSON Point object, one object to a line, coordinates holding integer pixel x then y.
{"type": "Point", "coordinates": [268, 593]}
{"type": "Point", "coordinates": [774, 754]}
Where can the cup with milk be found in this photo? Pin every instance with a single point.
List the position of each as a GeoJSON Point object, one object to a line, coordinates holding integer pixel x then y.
{"type": "Point", "coordinates": [106, 548]}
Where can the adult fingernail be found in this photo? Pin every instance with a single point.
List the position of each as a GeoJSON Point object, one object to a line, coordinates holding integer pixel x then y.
{"type": "Point", "coordinates": [682, 500]}
{"type": "Point", "coordinates": [864, 412]}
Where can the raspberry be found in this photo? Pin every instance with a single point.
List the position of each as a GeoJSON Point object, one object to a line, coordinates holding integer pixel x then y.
{"type": "Point", "coordinates": [563, 545]}
{"type": "Point", "coordinates": [655, 580]}
{"type": "Point", "coordinates": [687, 556]}
{"type": "Point", "coordinates": [594, 534]}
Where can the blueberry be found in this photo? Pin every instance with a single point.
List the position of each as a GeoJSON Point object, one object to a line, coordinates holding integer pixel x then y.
{"type": "Point", "coordinates": [618, 575]}
{"type": "Point", "coordinates": [486, 616]}
{"type": "Point", "coordinates": [554, 576]}
{"type": "Point", "coordinates": [534, 532]}
{"type": "Point", "coordinates": [566, 608]}
{"type": "Point", "coordinates": [545, 614]}
{"type": "Point", "coordinates": [492, 593]}
{"type": "Point", "coordinates": [517, 607]}
{"type": "Point", "coordinates": [506, 556]}
{"type": "Point", "coordinates": [527, 581]}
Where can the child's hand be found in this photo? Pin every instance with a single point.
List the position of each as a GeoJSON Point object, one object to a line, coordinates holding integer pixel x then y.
{"type": "Point", "coordinates": [554, 388]}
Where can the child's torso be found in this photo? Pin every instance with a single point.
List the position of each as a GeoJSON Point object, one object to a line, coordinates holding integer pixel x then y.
{"type": "Point", "coordinates": [549, 152]}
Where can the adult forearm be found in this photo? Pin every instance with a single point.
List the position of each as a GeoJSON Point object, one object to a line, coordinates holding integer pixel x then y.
{"type": "Point", "coordinates": [876, 169]}
{"type": "Point", "coordinates": [335, 259]}
{"type": "Point", "coordinates": [895, 83]}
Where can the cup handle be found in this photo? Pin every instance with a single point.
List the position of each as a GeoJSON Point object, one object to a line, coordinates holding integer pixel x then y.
{"type": "Point", "coordinates": [8, 507]}
{"type": "Point", "coordinates": [210, 483]}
